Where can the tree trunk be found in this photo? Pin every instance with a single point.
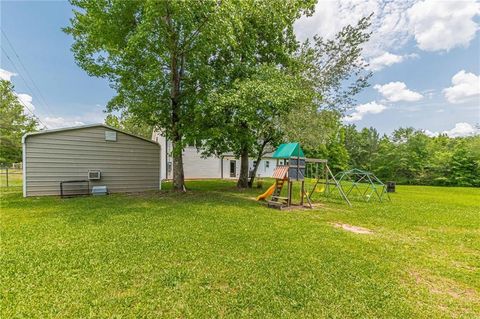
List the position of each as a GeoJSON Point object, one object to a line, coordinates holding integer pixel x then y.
{"type": "Point", "coordinates": [178, 174]}
{"type": "Point", "coordinates": [243, 179]}
{"type": "Point", "coordinates": [257, 163]}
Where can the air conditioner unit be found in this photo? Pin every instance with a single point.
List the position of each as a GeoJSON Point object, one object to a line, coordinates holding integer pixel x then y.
{"type": "Point", "coordinates": [94, 174]}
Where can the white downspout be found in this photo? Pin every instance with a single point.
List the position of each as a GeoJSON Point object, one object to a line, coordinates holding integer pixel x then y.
{"type": "Point", "coordinates": [24, 166]}
{"type": "Point", "coordinates": [160, 167]}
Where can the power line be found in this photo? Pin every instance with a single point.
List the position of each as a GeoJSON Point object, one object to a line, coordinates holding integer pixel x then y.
{"type": "Point", "coordinates": [42, 99]}
{"type": "Point", "coordinates": [21, 102]}
{"type": "Point", "coordinates": [33, 114]}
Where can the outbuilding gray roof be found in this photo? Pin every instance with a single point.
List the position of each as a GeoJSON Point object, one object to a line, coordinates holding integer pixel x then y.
{"type": "Point", "coordinates": [63, 129]}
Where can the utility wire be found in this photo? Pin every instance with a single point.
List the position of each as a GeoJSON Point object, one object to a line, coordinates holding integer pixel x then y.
{"type": "Point", "coordinates": [33, 114]}
{"type": "Point", "coordinates": [21, 102]}
{"type": "Point", "coordinates": [42, 99]}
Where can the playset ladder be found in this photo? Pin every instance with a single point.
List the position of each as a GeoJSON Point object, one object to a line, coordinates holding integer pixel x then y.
{"type": "Point", "coordinates": [278, 189]}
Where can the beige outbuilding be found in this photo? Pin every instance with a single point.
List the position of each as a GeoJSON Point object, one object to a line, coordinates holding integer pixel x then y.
{"type": "Point", "coordinates": [94, 155]}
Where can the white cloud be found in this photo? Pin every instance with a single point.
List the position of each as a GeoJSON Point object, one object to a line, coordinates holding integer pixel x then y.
{"type": "Point", "coordinates": [397, 91]}
{"type": "Point", "coordinates": [23, 98]}
{"type": "Point", "coordinates": [58, 122]}
{"type": "Point", "coordinates": [6, 75]}
{"type": "Point", "coordinates": [363, 109]}
{"type": "Point", "coordinates": [465, 87]}
{"type": "Point", "coordinates": [26, 101]}
{"type": "Point", "coordinates": [434, 25]}
{"type": "Point", "coordinates": [386, 59]}
{"type": "Point", "coordinates": [389, 22]}
{"type": "Point", "coordinates": [443, 25]}
{"type": "Point", "coordinates": [430, 133]}
{"type": "Point", "coordinates": [461, 130]}
{"type": "Point", "coordinates": [92, 117]}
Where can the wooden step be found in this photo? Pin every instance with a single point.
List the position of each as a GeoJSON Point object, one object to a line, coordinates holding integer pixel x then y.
{"type": "Point", "coordinates": [275, 204]}
{"type": "Point", "coordinates": [279, 197]}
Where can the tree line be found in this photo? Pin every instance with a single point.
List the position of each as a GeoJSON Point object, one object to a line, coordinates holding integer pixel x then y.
{"type": "Point", "coordinates": [407, 156]}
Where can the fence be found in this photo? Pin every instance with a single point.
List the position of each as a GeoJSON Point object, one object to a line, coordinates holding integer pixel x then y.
{"type": "Point", "coordinates": [11, 176]}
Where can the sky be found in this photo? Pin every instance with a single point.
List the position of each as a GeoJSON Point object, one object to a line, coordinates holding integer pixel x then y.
{"type": "Point", "coordinates": [425, 57]}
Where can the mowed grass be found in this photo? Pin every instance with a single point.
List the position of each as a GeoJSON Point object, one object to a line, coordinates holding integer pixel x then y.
{"type": "Point", "coordinates": [215, 252]}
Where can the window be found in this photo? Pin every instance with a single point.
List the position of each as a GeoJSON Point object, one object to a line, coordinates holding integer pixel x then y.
{"type": "Point", "coordinates": [267, 164]}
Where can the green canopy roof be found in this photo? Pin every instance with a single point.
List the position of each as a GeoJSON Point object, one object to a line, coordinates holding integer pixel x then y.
{"type": "Point", "coordinates": [288, 150]}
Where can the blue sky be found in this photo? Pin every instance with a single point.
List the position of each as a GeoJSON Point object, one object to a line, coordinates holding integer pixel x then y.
{"type": "Point", "coordinates": [417, 49]}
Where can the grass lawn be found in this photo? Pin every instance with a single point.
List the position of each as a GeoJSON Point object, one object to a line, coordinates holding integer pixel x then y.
{"type": "Point", "coordinates": [214, 252]}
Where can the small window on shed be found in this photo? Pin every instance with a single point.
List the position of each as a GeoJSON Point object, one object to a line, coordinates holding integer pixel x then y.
{"type": "Point", "coordinates": [111, 136]}
{"type": "Point", "coordinates": [267, 164]}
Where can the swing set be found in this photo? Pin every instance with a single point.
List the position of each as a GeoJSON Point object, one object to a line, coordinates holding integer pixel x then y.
{"type": "Point", "coordinates": [323, 180]}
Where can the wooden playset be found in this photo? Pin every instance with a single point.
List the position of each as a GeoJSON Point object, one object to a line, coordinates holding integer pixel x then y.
{"type": "Point", "coordinates": [290, 169]}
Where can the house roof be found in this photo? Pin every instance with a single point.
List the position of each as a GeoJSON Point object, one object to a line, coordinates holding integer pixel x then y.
{"type": "Point", "coordinates": [288, 150]}
{"type": "Point", "coordinates": [82, 127]}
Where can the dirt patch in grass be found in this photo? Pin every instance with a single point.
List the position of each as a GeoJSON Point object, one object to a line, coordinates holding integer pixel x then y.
{"type": "Point", "coordinates": [452, 298]}
{"type": "Point", "coordinates": [444, 286]}
{"type": "Point", "coordinates": [353, 229]}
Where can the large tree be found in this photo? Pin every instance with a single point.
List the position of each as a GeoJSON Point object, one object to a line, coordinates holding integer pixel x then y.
{"type": "Point", "coordinates": [332, 73]}
{"type": "Point", "coordinates": [159, 56]}
{"type": "Point", "coordinates": [14, 123]}
{"type": "Point", "coordinates": [337, 72]}
{"type": "Point", "coordinates": [259, 51]}
{"type": "Point", "coordinates": [247, 118]}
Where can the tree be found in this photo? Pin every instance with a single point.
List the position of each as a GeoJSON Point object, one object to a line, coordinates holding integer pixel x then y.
{"type": "Point", "coordinates": [159, 56]}
{"type": "Point", "coordinates": [362, 146]}
{"type": "Point", "coordinates": [130, 124]}
{"type": "Point", "coordinates": [263, 40]}
{"type": "Point", "coordinates": [464, 169]}
{"type": "Point", "coordinates": [337, 73]}
{"type": "Point", "coordinates": [248, 115]}
{"type": "Point", "coordinates": [13, 125]}
{"type": "Point", "coordinates": [336, 67]}
{"type": "Point", "coordinates": [324, 70]}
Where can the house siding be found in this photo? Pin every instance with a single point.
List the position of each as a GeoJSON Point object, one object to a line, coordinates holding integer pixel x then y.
{"type": "Point", "coordinates": [197, 167]}
{"type": "Point", "coordinates": [129, 164]}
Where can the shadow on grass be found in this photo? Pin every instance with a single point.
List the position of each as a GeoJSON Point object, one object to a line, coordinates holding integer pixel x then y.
{"type": "Point", "coordinates": [202, 198]}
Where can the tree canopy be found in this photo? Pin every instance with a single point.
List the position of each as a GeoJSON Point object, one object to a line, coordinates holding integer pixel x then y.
{"type": "Point", "coordinates": [14, 123]}
{"type": "Point", "coordinates": [409, 156]}
{"type": "Point", "coordinates": [322, 80]}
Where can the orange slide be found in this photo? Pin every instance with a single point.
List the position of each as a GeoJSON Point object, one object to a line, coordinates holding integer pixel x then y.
{"type": "Point", "coordinates": [267, 193]}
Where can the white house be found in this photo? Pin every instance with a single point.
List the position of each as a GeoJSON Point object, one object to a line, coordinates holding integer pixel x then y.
{"type": "Point", "coordinates": [197, 167]}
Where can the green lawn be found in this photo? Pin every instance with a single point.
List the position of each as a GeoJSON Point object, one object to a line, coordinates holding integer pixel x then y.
{"type": "Point", "coordinates": [214, 252]}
